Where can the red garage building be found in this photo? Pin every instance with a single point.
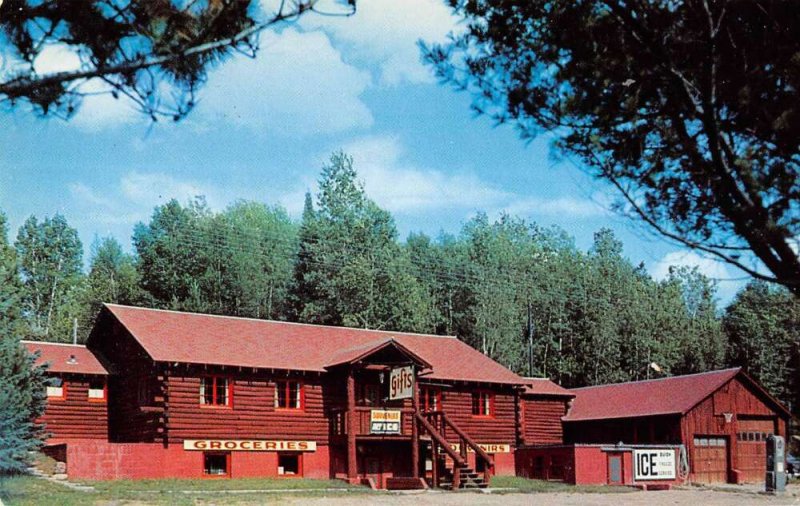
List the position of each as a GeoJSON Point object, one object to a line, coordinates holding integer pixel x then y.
{"type": "Point", "coordinates": [712, 425]}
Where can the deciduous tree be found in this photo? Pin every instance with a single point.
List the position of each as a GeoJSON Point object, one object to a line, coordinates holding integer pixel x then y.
{"type": "Point", "coordinates": [690, 109]}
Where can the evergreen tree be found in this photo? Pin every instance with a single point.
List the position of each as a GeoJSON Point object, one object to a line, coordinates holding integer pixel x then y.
{"type": "Point", "coordinates": [22, 386]}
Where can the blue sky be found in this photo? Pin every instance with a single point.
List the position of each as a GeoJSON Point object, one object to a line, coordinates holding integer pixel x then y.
{"type": "Point", "coordinates": [264, 127]}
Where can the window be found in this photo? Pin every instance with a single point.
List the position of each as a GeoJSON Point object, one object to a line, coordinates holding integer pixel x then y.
{"type": "Point", "coordinates": [97, 390]}
{"type": "Point", "coordinates": [215, 391]}
{"type": "Point", "coordinates": [482, 404]}
{"type": "Point", "coordinates": [431, 399]}
{"type": "Point", "coordinates": [216, 464]}
{"type": "Point", "coordinates": [289, 395]}
{"type": "Point", "coordinates": [370, 395]}
{"type": "Point", "coordinates": [289, 464]}
{"type": "Point", "coordinates": [57, 389]}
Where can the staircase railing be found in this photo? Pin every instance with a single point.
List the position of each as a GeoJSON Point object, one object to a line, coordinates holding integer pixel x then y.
{"type": "Point", "coordinates": [442, 422]}
{"type": "Point", "coordinates": [438, 439]}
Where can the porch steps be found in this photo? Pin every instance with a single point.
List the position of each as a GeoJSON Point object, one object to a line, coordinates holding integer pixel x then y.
{"type": "Point", "coordinates": [469, 479]}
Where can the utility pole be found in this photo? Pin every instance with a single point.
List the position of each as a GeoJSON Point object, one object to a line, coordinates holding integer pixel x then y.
{"type": "Point", "coordinates": [74, 331]}
{"type": "Point", "coordinates": [530, 340]}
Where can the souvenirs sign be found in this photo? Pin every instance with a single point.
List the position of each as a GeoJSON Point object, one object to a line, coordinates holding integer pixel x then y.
{"type": "Point", "coordinates": [384, 421]}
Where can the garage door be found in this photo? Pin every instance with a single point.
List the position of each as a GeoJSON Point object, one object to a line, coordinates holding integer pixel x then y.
{"type": "Point", "coordinates": [710, 459]}
{"type": "Point", "coordinates": [751, 448]}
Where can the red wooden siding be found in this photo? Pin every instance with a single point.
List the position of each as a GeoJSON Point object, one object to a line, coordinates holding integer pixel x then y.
{"type": "Point", "coordinates": [499, 428]}
{"type": "Point", "coordinates": [253, 414]}
{"type": "Point", "coordinates": [130, 420]}
{"type": "Point", "coordinates": [76, 416]}
{"type": "Point", "coordinates": [708, 419]}
{"type": "Point", "coordinates": [542, 420]}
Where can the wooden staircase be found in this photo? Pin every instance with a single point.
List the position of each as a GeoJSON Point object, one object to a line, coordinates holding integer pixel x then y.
{"type": "Point", "coordinates": [450, 467]}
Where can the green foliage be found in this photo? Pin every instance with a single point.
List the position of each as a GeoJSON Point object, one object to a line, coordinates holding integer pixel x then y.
{"type": "Point", "coordinates": [237, 262]}
{"type": "Point", "coordinates": [763, 328]}
{"type": "Point", "coordinates": [350, 269]}
{"type": "Point", "coordinates": [22, 386]}
{"type": "Point", "coordinates": [49, 255]}
{"type": "Point", "coordinates": [689, 109]}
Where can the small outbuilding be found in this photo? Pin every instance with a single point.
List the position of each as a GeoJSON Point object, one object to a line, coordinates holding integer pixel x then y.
{"type": "Point", "coordinates": [718, 420]}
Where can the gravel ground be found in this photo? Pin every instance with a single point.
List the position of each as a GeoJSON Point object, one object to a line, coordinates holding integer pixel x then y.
{"type": "Point", "coordinates": [691, 496]}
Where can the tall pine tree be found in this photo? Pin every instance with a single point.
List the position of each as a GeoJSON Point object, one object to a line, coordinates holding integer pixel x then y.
{"type": "Point", "coordinates": [22, 386]}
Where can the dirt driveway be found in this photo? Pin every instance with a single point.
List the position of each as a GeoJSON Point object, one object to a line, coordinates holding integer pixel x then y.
{"type": "Point", "coordinates": [691, 497]}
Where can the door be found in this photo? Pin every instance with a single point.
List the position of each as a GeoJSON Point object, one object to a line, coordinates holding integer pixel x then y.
{"type": "Point", "coordinates": [709, 459]}
{"type": "Point", "coordinates": [615, 469]}
{"type": "Point", "coordinates": [751, 448]}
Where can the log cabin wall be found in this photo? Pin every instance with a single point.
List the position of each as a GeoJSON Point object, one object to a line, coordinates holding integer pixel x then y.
{"type": "Point", "coordinates": [135, 394]}
{"type": "Point", "coordinates": [498, 428]}
{"type": "Point", "coordinates": [76, 416]}
{"type": "Point", "coordinates": [252, 413]}
{"type": "Point", "coordinates": [541, 419]}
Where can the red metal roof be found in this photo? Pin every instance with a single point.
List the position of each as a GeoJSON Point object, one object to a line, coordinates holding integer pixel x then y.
{"type": "Point", "coordinates": [66, 358]}
{"type": "Point", "coordinates": [171, 336]}
{"type": "Point", "coordinates": [543, 386]}
{"type": "Point", "coordinates": [663, 396]}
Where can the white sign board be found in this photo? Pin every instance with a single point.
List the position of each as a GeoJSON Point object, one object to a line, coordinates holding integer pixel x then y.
{"type": "Point", "coordinates": [654, 464]}
{"type": "Point", "coordinates": [401, 383]}
{"type": "Point", "coordinates": [384, 421]}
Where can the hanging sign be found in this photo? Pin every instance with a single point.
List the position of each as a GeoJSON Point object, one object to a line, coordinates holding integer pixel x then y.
{"type": "Point", "coordinates": [384, 421]}
{"type": "Point", "coordinates": [401, 383]}
{"type": "Point", "coordinates": [654, 464]}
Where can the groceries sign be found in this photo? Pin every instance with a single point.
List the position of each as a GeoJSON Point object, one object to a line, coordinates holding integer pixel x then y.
{"type": "Point", "coordinates": [654, 464]}
{"type": "Point", "coordinates": [249, 445]}
{"type": "Point", "coordinates": [401, 383]}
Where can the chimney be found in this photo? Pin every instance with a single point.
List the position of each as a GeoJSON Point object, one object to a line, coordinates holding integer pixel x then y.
{"type": "Point", "coordinates": [72, 360]}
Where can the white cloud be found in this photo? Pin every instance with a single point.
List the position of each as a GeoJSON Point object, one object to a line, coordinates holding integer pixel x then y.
{"type": "Point", "coordinates": [149, 189]}
{"type": "Point", "coordinates": [385, 33]}
{"type": "Point", "coordinates": [298, 85]}
{"type": "Point", "coordinates": [402, 187]}
{"type": "Point", "coordinates": [596, 206]}
{"type": "Point", "coordinates": [708, 266]}
{"type": "Point", "coordinates": [99, 109]}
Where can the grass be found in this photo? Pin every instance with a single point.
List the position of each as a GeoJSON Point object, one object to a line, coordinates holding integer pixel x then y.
{"type": "Point", "coordinates": [518, 484]}
{"type": "Point", "coordinates": [29, 490]}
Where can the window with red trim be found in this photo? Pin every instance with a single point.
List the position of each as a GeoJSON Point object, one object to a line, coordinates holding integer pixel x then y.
{"type": "Point", "coordinates": [215, 391]}
{"type": "Point", "coordinates": [289, 395]}
{"type": "Point", "coordinates": [482, 404]}
{"type": "Point", "coordinates": [98, 390]}
{"type": "Point", "coordinates": [57, 389]}
{"type": "Point", "coordinates": [431, 399]}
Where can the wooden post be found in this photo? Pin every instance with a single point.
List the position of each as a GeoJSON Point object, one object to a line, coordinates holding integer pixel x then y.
{"type": "Point", "coordinates": [415, 431]}
{"type": "Point", "coordinates": [456, 477]}
{"type": "Point", "coordinates": [435, 466]}
{"type": "Point", "coordinates": [352, 467]}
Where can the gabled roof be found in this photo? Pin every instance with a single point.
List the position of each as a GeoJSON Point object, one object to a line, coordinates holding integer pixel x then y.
{"type": "Point", "coordinates": [664, 396]}
{"type": "Point", "coordinates": [171, 336]}
{"type": "Point", "coordinates": [361, 352]}
{"type": "Point", "coordinates": [545, 387]}
{"type": "Point", "coordinates": [65, 358]}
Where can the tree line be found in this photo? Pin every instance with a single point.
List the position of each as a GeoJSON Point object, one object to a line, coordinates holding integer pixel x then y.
{"type": "Point", "coordinates": [519, 292]}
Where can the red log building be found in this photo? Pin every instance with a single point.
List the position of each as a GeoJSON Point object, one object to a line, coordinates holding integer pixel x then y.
{"type": "Point", "coordinates": [158, 394]}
